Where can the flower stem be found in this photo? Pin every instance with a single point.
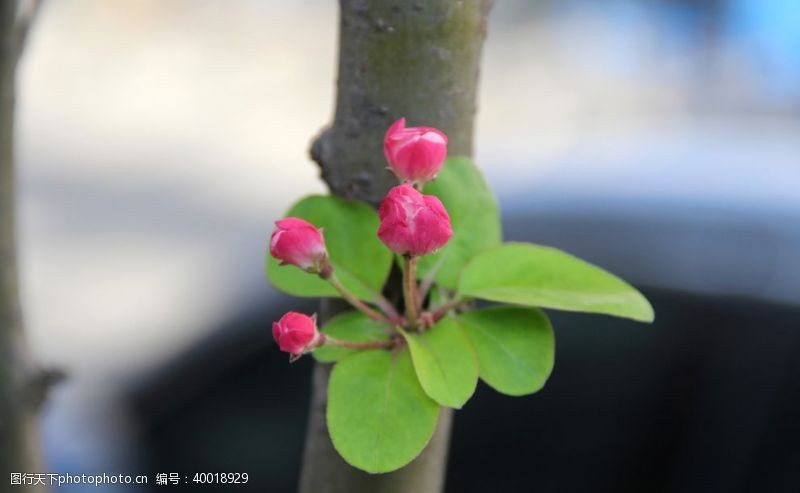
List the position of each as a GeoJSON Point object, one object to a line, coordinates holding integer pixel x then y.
{"type": "Point", "coordinates": [410, 290]}
{"type": "Point", "coordinates": [389, 309]}
{"type": "Point", "coordinates": [385, 343]}
{"type": "Point", "coordinates": [445, 308]}
{"type": "Point", "coordinates": [426, 283]}
{"type": "Point", "coordinates": [357, 303]}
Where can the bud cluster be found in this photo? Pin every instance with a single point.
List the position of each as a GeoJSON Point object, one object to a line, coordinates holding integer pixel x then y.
{"type": "Point", "coordinates": [411, 224]}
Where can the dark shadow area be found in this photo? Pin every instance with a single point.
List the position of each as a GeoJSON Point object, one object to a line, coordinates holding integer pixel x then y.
{"type": "Point", "coordinates": [705, 400]}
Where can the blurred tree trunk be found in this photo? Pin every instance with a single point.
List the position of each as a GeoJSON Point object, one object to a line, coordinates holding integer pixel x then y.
{"type": "Point", "coordinates": [418, 59]}
{"type": "Point", "coordinates": [20, 385]}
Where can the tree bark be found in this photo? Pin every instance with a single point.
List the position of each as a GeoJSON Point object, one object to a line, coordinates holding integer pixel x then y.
{"type": "Point", "coordinates": [418, 59]}
{"type": "Point", "coordinates": [20, 384]}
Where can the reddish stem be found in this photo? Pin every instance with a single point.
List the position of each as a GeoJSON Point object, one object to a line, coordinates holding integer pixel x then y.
{"type": "Point", "coordinates": [357, 303]}
{"type": "Point", "coordinates": [386, 343]}
{"type": "Point", "coordinates": [410, 290]}
{"type": "Point", "coordinates": [445, 308]}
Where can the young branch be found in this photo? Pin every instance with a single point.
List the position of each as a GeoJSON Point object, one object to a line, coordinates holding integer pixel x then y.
{"type": "Point", "coordinates": [389, 309]}
{"type": "Point", "coordinates": [357, 303]}
{"type": "Point", "coordinates": [387, 343]}
{"type": "Point", "coordinates": [426, 283]}
{"type": "Point", "coordinates": [445, 308]}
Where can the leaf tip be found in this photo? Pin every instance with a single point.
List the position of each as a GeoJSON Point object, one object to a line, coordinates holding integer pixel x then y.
{"type": "Point", "coordinates": [645, 312]}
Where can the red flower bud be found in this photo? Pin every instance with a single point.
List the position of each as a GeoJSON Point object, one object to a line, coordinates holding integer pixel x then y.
{"type": "Point", "coordinates": [415, 154]}
{"type": "Point", "coordinates": [412, 223]}
{"type": "Point", "coordinates": [296, 333]}
{"type": "Point", "coordinates": [298, 242]}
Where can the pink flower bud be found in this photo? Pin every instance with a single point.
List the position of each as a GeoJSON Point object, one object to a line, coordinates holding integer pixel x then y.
{"type": "Point", "coordinates": [298, 242]}
{"type": "Point", "coordinates": [412, 223]}
{"type": "Point", "coordinates": [415, 154]}
{"type": "Point", "coordinates": [296, 333]}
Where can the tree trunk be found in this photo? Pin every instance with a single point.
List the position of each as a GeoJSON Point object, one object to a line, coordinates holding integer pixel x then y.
{"type": "Point", "coordinates": [19, 390]}
{"type": "Point", "coordinates": [418, 59]}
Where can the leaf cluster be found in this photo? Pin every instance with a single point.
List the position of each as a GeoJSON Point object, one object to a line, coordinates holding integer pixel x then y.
{"type": "Point", "coordinates": [383, 403]}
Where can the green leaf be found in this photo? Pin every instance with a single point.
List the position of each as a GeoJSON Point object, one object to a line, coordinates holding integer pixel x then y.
{"type": "Point", "coordinates": [526, 274]}
{"type": "Point", "coordinates": [515, 347]}
{"type": "Point", "coordinates": [473, 213]}
{"type": "Point", "coordinates": [359, 259]}
{"type": "Point", "coordinates": [445, 363]}
{"type": "Point", "coordinates": [353, 327]}
{"type": "Point", "coordinates": [379, 418]}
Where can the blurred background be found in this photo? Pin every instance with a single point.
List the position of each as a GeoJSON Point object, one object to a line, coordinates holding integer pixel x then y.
{"type": "Point", "coordinates": [157, 142]}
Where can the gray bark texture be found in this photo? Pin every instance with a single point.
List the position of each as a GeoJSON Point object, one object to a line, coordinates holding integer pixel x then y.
{"type": "Point", "coordinates": [417, 59]}
{"type": "Point", "coordinates": [20, 384]}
